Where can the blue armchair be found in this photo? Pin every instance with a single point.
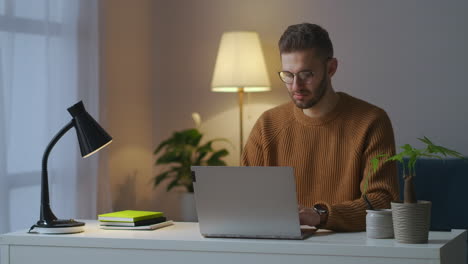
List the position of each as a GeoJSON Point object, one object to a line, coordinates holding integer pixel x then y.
{"type": "Point", "coordinates": [445, 184]}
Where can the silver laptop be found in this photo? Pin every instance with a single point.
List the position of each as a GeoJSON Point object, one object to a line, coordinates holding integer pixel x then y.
{"type": "Point", "coordinates": [247, 202]}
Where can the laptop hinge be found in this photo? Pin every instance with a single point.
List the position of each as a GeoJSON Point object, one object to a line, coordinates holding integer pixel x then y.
{"type": "Point", "coordinates": [193, 177]}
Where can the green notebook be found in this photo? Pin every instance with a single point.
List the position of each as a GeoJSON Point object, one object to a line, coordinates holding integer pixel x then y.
{"type": "Point", "coordinates": [145, 227]}
{"type": "Point", "coordinates": [129, 216]}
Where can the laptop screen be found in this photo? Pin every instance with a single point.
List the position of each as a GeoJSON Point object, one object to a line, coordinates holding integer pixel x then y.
{"type": "Point", "coordinates": [257, 202]}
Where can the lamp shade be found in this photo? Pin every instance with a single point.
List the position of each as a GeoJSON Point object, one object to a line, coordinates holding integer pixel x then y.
{"type": "Point", "coordinates": [240, 64]}
{"type": "Point", "coordinates": [91, 136]}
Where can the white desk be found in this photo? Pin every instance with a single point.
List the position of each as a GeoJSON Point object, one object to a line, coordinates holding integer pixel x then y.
{"type": "Point", "coordinates": [182, 243]}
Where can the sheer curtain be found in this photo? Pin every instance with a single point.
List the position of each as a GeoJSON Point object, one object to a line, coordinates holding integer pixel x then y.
{"type": "Point", "coordinates": [48, 62]}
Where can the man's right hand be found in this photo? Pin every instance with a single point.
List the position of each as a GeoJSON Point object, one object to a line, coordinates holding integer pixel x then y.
{"type": "Point", "coordinates": [308, 216]}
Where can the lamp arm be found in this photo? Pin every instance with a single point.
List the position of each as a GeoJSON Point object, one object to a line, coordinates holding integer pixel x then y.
{"type": "Point", "coordinates": [46, 213]}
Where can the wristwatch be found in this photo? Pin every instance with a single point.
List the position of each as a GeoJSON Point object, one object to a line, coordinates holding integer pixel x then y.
{"type": "Point", "coordinates": [322, 211]}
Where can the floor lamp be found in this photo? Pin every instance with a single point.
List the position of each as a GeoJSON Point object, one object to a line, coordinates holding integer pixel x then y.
{"type": "Point", "coordinates": [240, 67]}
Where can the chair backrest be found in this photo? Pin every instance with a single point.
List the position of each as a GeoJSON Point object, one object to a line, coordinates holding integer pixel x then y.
{"type": "Point", "coordinates": [445, 184]}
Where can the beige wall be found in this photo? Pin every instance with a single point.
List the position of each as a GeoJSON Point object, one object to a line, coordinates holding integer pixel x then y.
{"type": "Point", "coordinates": [395, 54]}
{"type": "Point", "coordinates": [160, 57]}
{"type": "Point", "coordinates": [187, 36]}
{"type": "Point", "coordinates": [127, 48]}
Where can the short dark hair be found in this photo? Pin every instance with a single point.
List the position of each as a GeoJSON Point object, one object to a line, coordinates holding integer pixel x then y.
{"type": "Point", "coordinates": [306, 36]}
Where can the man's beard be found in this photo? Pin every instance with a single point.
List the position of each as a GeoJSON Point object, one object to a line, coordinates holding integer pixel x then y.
{"type": "Point", "coordinates": [314, 100]}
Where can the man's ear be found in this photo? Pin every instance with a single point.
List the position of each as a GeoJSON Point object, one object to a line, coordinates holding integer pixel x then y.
{"type": "Point", "coordinates": [332, 66]}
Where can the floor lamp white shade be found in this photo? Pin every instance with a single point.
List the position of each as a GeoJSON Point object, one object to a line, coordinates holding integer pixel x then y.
{"type": "Point", "coordinates": [240, 67]}
{"type": "Point", "coordinates": [240, 64]}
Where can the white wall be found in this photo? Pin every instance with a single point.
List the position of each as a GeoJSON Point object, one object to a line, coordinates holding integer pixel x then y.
{"type": "Point", "coordinates": [408, 57]}
{"type": "Point", "coordinates": [127, 68]}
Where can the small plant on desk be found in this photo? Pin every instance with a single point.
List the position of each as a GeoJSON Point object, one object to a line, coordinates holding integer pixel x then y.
{"type": "Point", "coordinates": [411, 219]}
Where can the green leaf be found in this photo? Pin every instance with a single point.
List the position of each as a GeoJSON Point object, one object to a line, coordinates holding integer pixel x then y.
{"type": "Point", "coordinates": [203, 151]}
{"type": "Point", "coordinates": [397, 157]}
{"type": "Point", "coordinates": [366, 184]}
{"type": "Point", "coordinates": [217, 155]}
{"type": "Point", "coordinates": [412, 162]}
{"type": "Point", "coordinates": [224, 140]}
{"type": "Point", "coordinates": [430, 156]}
{"type": "Point", "coordinates": [215, 162]}
{"type": "Point", "coordinates": [448, 152]}
{"type": "Point", "coordinates": [375, 161]}
{"type": "Point", "coordinates": [173, 184]}
{"type": "Point", "coordinates": [435, 149]}
{"type": "Point", "coordinates": [375, 164]}
{"type": "Point", "coordinates": [190, 137]}
{"type": "Point", "coordinates": [407, 147]}
{"type": "Point", "coordinates": [168, 157]}
{"type": "Point", "coordinates": [186, 156]}
{"type": "Point", "coordinates": [161, 177]}
{"type": "Point", "coordinates": [426, 140]}
{"type": "Point", "coordinates": [205, 148]}
{"type": "Point", "coordinates": [164, 143]}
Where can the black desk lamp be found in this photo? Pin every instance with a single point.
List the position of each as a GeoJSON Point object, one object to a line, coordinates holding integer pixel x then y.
{"type": "Point", "coordinates": [92, 138]}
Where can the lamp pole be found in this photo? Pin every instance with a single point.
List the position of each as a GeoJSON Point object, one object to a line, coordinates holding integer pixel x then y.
{"type": "Point", "coordinates": [241, 134]}
{"type": "Point", "coordinates": [47, 217]}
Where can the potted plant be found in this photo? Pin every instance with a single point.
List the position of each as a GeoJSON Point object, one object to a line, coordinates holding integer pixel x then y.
{"type": "Point", "coordinates": [411, 218]}
{"type": "Point", "coordinates": [183, 150]}
{"type": "Point", "coordinates": [177, 154]}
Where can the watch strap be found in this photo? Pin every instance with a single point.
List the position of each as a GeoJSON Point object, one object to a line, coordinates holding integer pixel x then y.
{"type": "Point", "coordinates": [322, 211]}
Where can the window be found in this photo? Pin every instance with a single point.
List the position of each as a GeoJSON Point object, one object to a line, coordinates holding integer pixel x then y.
{"type": "Point", "coordinates": [38, 57]}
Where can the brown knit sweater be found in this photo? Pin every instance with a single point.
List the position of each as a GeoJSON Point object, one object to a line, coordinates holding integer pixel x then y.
{"type": "Point", "coordinates": [330, 155]}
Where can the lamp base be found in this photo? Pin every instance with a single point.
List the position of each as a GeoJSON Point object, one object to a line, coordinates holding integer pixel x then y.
{"type": "Point", "coordinates": [59, 226]}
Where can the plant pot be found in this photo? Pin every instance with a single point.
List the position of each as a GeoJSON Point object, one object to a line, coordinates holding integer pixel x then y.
{"type": "Point", "coordinates": [379, 223]}
{"type": "Point", "coordinates": [188, 212]}
{"type": "Point", "coordinates": [411, 222]}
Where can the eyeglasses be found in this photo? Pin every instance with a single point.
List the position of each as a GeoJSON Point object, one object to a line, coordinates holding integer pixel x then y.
{"type": "Point", "coordinates": [303, 76]}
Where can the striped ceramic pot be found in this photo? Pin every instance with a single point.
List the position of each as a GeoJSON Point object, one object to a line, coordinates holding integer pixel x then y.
{"type": "Point", "coordinates": [411, 221]}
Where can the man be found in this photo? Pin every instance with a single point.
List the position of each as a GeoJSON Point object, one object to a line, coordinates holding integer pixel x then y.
{"type": "Point", "coordinates": [328, 137]}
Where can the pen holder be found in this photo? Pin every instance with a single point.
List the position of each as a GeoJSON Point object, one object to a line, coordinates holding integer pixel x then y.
{"type": "Point", "coordinates": [379, 223]}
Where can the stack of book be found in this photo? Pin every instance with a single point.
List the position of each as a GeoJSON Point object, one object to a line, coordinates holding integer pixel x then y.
{"type": "Point", "coordinates": [131, 219]}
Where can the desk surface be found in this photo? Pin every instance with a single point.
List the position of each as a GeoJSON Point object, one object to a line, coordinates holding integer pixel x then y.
{"type": "Point", "coordinates": [186, 236]}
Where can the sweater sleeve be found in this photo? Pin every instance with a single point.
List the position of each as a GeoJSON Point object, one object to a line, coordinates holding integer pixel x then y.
{"type": "Point", "coordinates": [253, 151]}
{"type": "Point", "coordinates": [382, 186]}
